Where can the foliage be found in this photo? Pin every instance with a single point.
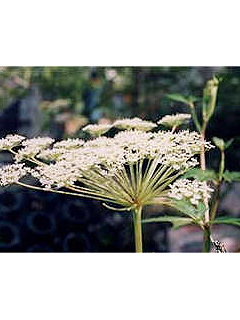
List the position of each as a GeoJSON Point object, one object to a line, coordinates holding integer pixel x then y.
{"type": "Point", "coordinates": [201, 175]}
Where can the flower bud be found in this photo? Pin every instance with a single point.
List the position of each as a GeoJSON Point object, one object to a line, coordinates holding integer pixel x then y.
{"type": "Point", "coordinates": [209, 98]}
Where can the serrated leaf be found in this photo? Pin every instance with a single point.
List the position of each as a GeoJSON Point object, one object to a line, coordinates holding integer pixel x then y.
{"type": "Point", "coordinates": [226, 220]}
{"type": "Point", "coordinates": [176, 221]}
{"type": "Point", "coordinates": [201, 175]}
{"type": "Point", "coordinates": [178, 97]}
{"type": "Point", "coordinates": [230, 176]}
{"type": "Point", "coordinates": [189, 209]}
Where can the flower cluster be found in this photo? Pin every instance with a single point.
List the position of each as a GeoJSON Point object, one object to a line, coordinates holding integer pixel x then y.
{"type": "Point", "coordinates": [10, 141]}
{"type": "Point", "coordinates": [192, 190]}
{"type": "Point", "coordinates": [135, 123]}
{"type": "Point", "coordinates": [12, 173]}
{"type": "Point", "coordinates": [32, 147]}
{"type": "Point", "coordinates": [69, 144]}
{"type": "Point", "coordinates": [97, 129]}
{"type": "Point", "coordinates": [176, 120]}
{"type": "Point", "coordinates": [60, 148]}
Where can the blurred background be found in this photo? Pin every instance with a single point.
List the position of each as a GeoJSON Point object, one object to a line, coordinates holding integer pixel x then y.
{"type": "Point", "coordinates": [58, 102]}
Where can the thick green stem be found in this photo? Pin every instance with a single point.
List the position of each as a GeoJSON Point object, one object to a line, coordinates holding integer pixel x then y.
{"type": "Point", "coordinates": [137, 213]}
{"type": "Point", "coordinates": [206, 239]}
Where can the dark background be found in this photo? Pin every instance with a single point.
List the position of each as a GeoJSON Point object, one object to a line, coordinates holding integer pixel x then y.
{"type": "Point", "coordinates": [58, 101]}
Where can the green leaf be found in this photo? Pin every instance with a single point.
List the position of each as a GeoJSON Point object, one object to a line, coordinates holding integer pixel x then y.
{"type": "Point", "coordinates": [189, 209]}
{"type": "Point", "coordinates": [230, 176]}
{"type": "Point", "coordinates": [201, 175]}
{"type": "Point", "coordinates": [192, 99]}
{"type": "Point", "coordinates": [176, 221]}
{"type": "Point", "coordinates": [178, 97]}
{"type": "Point", "coordinates": [221, 144]}
{"type": "Point", "coordinates": [226, 220]}
{"type": "Point", "coordinates": [228, 143]}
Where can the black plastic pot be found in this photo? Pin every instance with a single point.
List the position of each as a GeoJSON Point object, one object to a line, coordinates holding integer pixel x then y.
{"type": "Point", "coordinates": [9, 236]}
{"type": "Point", "coordinates": [76, 242]}
{"type": "Point", "coordinates": [76, 211]}
{"type": "Point", "coordinates": [41, 223]}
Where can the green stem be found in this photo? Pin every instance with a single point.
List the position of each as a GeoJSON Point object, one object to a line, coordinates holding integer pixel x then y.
{"type": "Point", "coordinates": [216, 195]}
{"type": "Point", "coordinates": [222, 165]}
{"type": "Point", "coordinates": [194, 116]}
{"type": "Point", "coordinates": [215, 202]}
{"type": "Point", "coordinates": [137, 213]}
{"type": "Point", "coordinates": [206, 238]}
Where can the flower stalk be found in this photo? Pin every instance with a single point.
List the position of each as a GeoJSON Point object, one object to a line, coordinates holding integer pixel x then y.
{"type": "Point", "coordinates": [137, 223]}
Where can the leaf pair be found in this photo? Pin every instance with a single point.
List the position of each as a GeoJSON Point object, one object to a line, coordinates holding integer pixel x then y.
{"type": "Point", "coordinates": [195, 215]}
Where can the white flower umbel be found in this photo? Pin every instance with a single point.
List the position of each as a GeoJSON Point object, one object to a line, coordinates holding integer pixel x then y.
{"type": "Point", "coordinates": [192, 190]}
{"type": "Point", "coordinates": [12, 173]}
{"type": "Point", "coordinates": [32, 147]}
{"type": "Point", "coordinates": [10, 141]}
{"type": "Point", "coordinates": [97, 129]}
{"type": "Point", "coordinates": [174, 121]}
{"type": "Point", "coordinates": [130, 170]}
{"type": "Point", "coordinates": [135, 123]}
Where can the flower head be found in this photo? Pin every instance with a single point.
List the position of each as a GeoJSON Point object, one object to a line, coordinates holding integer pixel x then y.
{"type": "Point", "coordinates": [192, 190]}
{"type": "Point", "coordinates": [10, 141]}
{"type": "Point", "coordinates": [176, 120]}
{"type": "Point", "coordinates": [12, 173]}
{"type": "Point", "coordinates": [135, 123]}
{"type": "Point", "coordinates": [97, 129]}
{"type": "Point", "coordinates": [32, 147]}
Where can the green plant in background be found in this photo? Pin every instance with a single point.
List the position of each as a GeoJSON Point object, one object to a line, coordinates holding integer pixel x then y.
{"type": "Point", "coordinates": [14, 83]}
{"type": "Point", "coordinates": [70, 96]}
{"type": "Point", "coordinates": [204, 175]}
